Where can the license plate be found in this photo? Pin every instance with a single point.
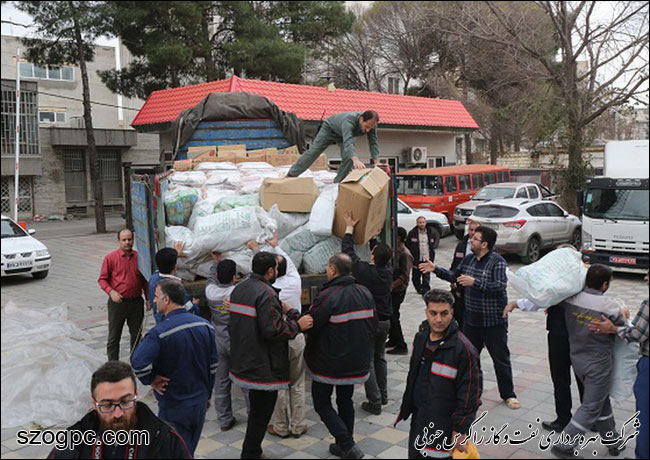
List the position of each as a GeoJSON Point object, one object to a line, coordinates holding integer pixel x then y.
{"type": "Point", "coordinates": [622, 260]}
{"type": "Point", "coordinates": [19, 265]}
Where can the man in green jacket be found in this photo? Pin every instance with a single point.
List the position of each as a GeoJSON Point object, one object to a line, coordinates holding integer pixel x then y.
{"type": "Point", "coordinates": [341, 129]}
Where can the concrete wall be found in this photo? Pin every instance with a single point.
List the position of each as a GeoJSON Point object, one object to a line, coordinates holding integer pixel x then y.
{"type": "Point", "coordinates": [49, 187]}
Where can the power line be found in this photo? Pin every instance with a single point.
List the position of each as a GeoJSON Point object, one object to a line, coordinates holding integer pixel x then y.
{"type": "Point", "coordinates": [81, 100]}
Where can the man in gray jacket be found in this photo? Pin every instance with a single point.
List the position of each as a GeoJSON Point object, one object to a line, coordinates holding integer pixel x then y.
{"type": "Point", "coordinates": [217, 291]}
{"type": "Point", "coordinates": [592, 360]}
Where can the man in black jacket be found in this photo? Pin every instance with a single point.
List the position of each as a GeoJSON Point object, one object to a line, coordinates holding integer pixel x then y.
{"type": "Point", "coordinates": [463, 249]}
{"type": "Point", "coordinates": [377, 276]}
{"type": "Point", "coordinates": [338, 350]}
{"type": "Point", "coordinates": [444, 383]}
{"type": "Point", "coordinates": [260, 328]}
{"type": "Point", "coordinates": [114, 397]}
{"type": "Point", "coordinates": [421, 242]}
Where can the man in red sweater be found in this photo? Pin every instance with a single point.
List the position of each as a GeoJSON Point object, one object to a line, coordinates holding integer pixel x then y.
{"type": "Point", "coordinates": [121, 279]}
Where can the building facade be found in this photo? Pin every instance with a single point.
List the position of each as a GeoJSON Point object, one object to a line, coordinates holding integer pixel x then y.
{"type": "Point", "coordinates": [54, 166]}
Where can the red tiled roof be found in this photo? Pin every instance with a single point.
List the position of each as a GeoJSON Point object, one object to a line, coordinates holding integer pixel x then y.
{"type": "Point", "coordinates": [309, 102]}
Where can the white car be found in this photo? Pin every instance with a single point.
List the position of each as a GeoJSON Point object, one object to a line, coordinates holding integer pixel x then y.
{"type": "Point", "coordinates": [407, 218]}
{"type": "Point", "coordinates": [526, 227]}
{"type": "Point", "coordinates": [21, 253]}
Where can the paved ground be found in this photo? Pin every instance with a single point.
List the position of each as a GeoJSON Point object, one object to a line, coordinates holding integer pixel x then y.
{"type": "Point", "coordinates": [77, 256]}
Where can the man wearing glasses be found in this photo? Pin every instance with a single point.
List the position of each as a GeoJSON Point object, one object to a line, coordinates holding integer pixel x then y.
{"type": "Point", "coordinates": [178, 358]}
{"type": "Point", "coordinates": [114, 397]}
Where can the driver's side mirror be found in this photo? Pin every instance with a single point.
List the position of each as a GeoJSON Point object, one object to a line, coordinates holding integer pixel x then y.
{"type": "Point", "coordinates": [31, 231]}
{"type": "Point", "coordinates": [566, 214]}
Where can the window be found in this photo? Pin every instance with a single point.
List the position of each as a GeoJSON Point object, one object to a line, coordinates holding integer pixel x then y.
{"type": "Point", "coordinates": [433, 186]}
{"type": "Point", "coordinates": [401, 209]}
{"type": "Point", "coordinates": [620, 204]}
{"type": "Point", "coordinates": [503, 176]}
{"type": "Point", "coordinates": [464, 183]}
{"type": "Point", "coordinates": [393, 85]}
{"type": "Point", "coordinates": [25, 194]}
{"type": "Point", "coordinates": [450, 184]}
{"type": "Point", "coordinates": [494, 193]}
{"type": "Point", "coordinates": [29, 70]}
{"type": "Point", "coordinates": [554, 210]}
{"type": "Point", "coordinates": [410, 185]}
{"type": "Point", "coordinates": [6, 195]}
{"type": "Point", "coordinates": [496, 211]}
{"type": "Point", "coordinates": [521, 193]}
{"type": "Point", "coordinates": [477, 181]}
{"type": "Point", "coordinates": [51, 116]}
{"type": "Point", "coordinates": [539, 210]}
{"type": "Point", "coordinates": [490, 178]}
{"type": "Point", "coordinates": [532, 192]}
{"type": "Point", "coordinates": [29, 144]}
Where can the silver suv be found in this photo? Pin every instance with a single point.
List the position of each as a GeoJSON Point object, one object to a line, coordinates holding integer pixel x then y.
{"type": "Point", "coordinates": [526, 227]}
{"type": "Point", "coordinates": [501, 191]}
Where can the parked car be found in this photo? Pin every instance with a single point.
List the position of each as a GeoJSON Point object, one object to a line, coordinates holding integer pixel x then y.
{"type": "Point", "coordinates": [22, 253]}
{"type": "Point", "coordinates": [407, 217]}
{"type": "Point", "coordinates": [526, 227]}
{"type": "Point", "coordinates": [500, 191]}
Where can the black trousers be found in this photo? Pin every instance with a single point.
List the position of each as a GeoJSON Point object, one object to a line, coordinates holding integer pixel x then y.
{"type": "Point", "coordinates": [395, 334]}
{"type": "Point", "coordinates": [559, 360]}
{"type": "Point", "coordinates": [459, 308]}
{"type": "Point", "coordinates": [131, 311]}
{"type": "Point", "coordinates": [341, 424]}
{"type": "Point", "coordinates": [421, 281]}
{"type": "Point", "coordinates": [262, 404]}
{"type": "Point", "coordinates": [495, 339]}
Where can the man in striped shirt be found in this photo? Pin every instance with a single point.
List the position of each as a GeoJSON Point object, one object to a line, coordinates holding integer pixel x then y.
{"type": "Point", "coordinates": [482, 274]}
{"type": "Point", "coordinates": [179, 359]}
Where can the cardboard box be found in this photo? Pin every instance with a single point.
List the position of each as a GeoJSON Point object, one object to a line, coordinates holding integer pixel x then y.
{"type": "Point", "coordinates": [206, 156]}
{"type": "Point", "coordinates": [247, 157]}
{"type": "Point", "coordinates": [364, 193]}
{"type": "Point", "coordinates": [269, 151]}
{"type": "Point", "coordinates": [293, 150]}
{"type": "Point", "coordinates": [321, 163]}
{"type": "Point", "coordinates": [183, 165]}
{"type": "Point", "coordinates": [236, 149]}
{"type": "Point", "coordinates": [291, 194]}
{"type": "Point", "coordinates": [282, 159]}
{"type": "Point", "coordinates": [206, 150]}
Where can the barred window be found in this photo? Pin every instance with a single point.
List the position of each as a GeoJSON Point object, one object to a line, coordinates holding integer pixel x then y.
{"type": "Point", "coordinates": [28, 118]}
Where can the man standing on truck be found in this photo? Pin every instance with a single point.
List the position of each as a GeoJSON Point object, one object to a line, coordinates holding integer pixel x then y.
{"type": "Point", "coordinates": [121, 279]}
{"type": "Point", "coordinates": [341, 129]}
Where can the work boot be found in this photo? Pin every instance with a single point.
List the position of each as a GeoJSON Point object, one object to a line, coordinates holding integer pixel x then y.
{"type": "Point", "coordinates": [555, 425]}
{"type": "Point", "coordinates": [371, 408]}
{"type": "Point", "coordinates": [335, 450]}
{"type": "Point", "coordinates": [355, 452]}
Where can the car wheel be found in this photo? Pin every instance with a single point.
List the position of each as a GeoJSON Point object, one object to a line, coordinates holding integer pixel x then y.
{"type": "Point", "coordinates": [40, 275]}
{"type": "Point", "coordinates": [436, 236]}
{"type": "Point", "coordinates": [533, 251]}
{"type": "Point", "coordinates": [459, 234]}
{"type": "Point", "coordinates": [576, 239]}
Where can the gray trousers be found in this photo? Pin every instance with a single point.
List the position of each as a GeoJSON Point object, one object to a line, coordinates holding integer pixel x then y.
{"type": "Point", "coordinates": [130, 311]}
{"type": "Point", "coordinates": [595, 408]}
{"type": "Point", "coordinates": [324, 139]}
{"type": "Point", "coordinates": [377, 384]}
{"type": "Point", "coordinates": [289, 413]}
{"type": "Point", "coordinates": [223, 387]}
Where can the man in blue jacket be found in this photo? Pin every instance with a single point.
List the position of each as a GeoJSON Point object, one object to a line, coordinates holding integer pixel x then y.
{"type": "Point", "coordinates": [178, 358]}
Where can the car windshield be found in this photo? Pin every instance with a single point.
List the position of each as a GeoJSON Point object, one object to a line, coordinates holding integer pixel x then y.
{"type": "Point", "coordinates": [11, 230]}
{"type": "Point", "coordinates": [622, 204]}
{"type": "Point", "coordinates": [490, 210]}
{"type": "Point", "coordinates": [494, 193]}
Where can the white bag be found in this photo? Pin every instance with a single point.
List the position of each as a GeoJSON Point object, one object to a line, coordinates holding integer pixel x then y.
{"type": "Point", "coordinates": [238, 201]}
{"type": "Point", "coordinates": [201, 209]}
{"type": "Point", "coordinates": [287, 222]}
{"type": "Point", "coordinates": [315, 260]}
{"type": "Point", "coordinates": [254, 165]}
{"type": "Point", "coordinates": [177, 233]}
{"type": "Point", "coordinates": [624, 372]}
{"type": "Point", "coordinates": [555, 277]}
{"type": "Point", "coordinates": [215, 193]}
{"type": "Point", "coordinates": [216, 166]}
{"type": "Point", "coordinates": [322, 213]}
{"type": "Point", "coordinates": [190, 178]}
{"type": "Point", "coordinates": [219, 177]}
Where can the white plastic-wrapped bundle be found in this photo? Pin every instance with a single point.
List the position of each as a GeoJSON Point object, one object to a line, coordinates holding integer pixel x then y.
{"type": "Point", "coordinates": [220, 177]}
{"type": "Point", "coordinates": [238, 201]}
{"type": "Point", "coordinates": [216, 166]}
{"type": "Point", "coordinates": [287, 221]}
{"type": "Point", "coordinates": [315, 260]}
{"type": "Point", "coordinates": [216, 193]}
{"type": "Point", "coordinates": [189, 178]}
{"type": "Point", "coordinates": [179, 204]}
{"type": "Point", "coordinates": [300, 240]}
{"type": "Point", "coordinates": [201, 209]}
{"type": "Point", "coordinates": [321, 218]}
{"type": "Point", "coordinates": [177, 233]}
{"type": "Point", "coordinates": [254, 165]}
{"type": "Point", "coordinates": [555, 277]}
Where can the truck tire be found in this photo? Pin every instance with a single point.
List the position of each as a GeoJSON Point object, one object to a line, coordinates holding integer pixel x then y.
{"type": "Point", "coordinates": [436, 236]}
{"type": "Point", "coordinates": [533, 251]}
{"type": "Point", "coordinates": [459, 234]}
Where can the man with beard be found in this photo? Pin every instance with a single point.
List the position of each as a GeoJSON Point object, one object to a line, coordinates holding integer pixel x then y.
{"type": "Point", "coordinates": [114, 397]}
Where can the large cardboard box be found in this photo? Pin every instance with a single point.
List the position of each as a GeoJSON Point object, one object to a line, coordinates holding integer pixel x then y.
{"type": "Point", "coordinates": [248, 157]}
{"type": "Point", "coordinates": [236, 149]}
{"type": "Point", "coordinates": [202, 151]}
{"type": "Point", "coordinates": [293, 150]}
{"type": "Point", "coordinates": [183, 165]}
{"type": "Point", "coordinates": [291, 194]}
{"type": "Point", "coordinates": [269, 151]}
{"type": "Point", "coordinates": [282, 159]}
{"type": "Point", "coordinates": [321, 163]}
{"type": "Point", "coordinates": [364, 193]}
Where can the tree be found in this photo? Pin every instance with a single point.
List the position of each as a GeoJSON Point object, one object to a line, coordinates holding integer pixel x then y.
{"type": "Point", "coordinates": [179, 43]}
{"type": "Point", "coordinates": [603, 61]}
{"type": "Point", "coordinates": [66, 32]}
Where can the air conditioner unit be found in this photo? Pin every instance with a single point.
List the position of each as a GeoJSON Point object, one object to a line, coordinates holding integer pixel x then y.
{"type": "Point", "coordinates": [416, 155]}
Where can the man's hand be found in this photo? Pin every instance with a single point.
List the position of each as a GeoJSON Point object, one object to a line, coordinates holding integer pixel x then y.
{"type": "Point", "coordinates": [226, 303]}
{"type": "Point", "coordinates": [511, 306]}
{"type": "Point", "coordinates": [148, 304]}
{"type": "Point", "coordinates": [180, 247]}
{"type": "Point", "coordinates": [115, 296]}
{"type": "Point", "coordinates": [159, 384]}
{"type": "Point", "coordinates": [465, 280]}
{"type": "Point", "coordinates": [427, 267]}
{"type": "Point", "coordinates": [349, 220]}
{"type": "Point", "coordinates": [253, 245]}
{"type": "Point", "coordinates": [273, 241]}
{"type": "Point", "coordinates": [603, 327]}
{"type": "Point", "coordinates": [306, 322]}
{"type": "Point", "coordinates": [196, 301]}
{"type": "Point", "coordinates": [461, 437]}
{"type": "Point", "coordinates": [625, 312]}
{"type": "Point", "coordinates": [357, 164]}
